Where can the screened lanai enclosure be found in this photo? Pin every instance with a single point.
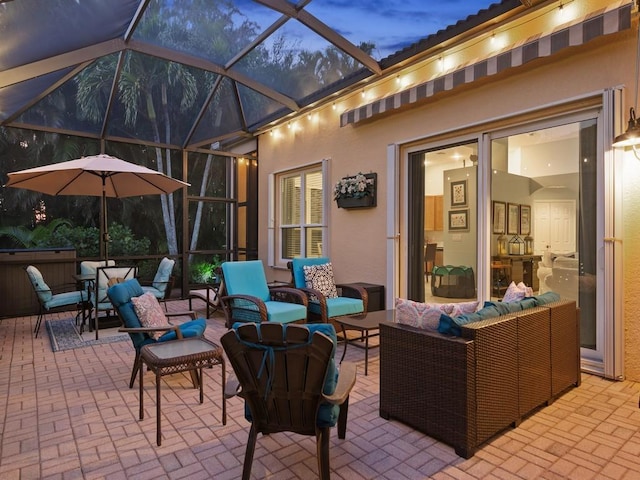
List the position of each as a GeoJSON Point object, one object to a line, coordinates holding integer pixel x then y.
{"type": "Point", "coordinates": [182, 87]}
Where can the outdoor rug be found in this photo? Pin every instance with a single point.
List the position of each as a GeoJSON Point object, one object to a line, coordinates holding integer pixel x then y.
{"type": "Point", "coordinates": [64, 335]}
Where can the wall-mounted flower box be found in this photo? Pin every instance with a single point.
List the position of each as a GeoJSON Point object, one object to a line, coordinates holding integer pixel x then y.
{"type": "Point", "coordinates": [358, 191]}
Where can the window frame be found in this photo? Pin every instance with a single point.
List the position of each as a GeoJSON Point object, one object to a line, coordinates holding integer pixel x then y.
{"type": "Point", "coordinates": [275, 257]}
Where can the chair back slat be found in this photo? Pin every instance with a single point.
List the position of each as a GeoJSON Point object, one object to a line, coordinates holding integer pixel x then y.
{"type": "Point", "coordinates": [282, 370]}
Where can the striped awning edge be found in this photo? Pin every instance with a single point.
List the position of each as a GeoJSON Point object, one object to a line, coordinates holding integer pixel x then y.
{"type": "Point", "coordinates": [604, 22]}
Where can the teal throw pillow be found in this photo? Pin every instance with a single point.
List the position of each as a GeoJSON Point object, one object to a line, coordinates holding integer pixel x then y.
{"type": "Point", "coordinates": [547, 297]}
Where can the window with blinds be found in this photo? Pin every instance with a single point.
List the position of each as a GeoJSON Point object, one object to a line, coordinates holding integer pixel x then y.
{"type": "Point", "coordinates": [301, 213]}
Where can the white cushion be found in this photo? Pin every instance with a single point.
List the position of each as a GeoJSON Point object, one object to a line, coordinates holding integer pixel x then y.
{"type": "Point", "coordinates": [427, 315]}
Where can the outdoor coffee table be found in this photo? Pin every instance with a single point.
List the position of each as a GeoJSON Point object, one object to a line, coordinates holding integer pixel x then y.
{"type": "Point", "coordinates": [364, 324]}
{"type": "Point", "coordinates": [188, 354]}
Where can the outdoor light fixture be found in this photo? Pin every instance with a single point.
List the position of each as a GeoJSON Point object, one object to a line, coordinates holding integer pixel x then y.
{"type": "Point", "coordinates": [631, 138]}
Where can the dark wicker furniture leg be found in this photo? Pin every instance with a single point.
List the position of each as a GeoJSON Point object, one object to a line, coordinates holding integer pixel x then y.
{"type": "Point", "coordinates": [189, 354]}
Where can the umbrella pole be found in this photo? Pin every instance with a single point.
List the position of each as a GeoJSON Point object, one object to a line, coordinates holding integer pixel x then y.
{"type": "Point", "coordinates": [105, 233]}
{"type": "Point", "coordinates": [105, 243]}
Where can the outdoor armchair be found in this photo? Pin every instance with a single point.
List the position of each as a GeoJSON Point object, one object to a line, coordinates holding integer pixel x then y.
{"type": "Point", "coordinates": [288, 378]}
{"type": "Point", "coordinates": [121, 295]}
{"type": "Point", "coordinates": [249, 299]}
{"type": "Point", "coordinates": [49, 300]}
{"type": "Point", "coordinates": [319, 285]}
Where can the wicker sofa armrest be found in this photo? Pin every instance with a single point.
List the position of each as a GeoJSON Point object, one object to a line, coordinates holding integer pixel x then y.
{"type": "Point", "coordinates": [427, 381]}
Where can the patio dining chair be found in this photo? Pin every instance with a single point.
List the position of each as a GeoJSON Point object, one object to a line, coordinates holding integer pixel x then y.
{"type": "Point", "coordinates": [162, 281]}
{"type": "Point", "coordinates": [49, 300]}
{"type": "Point", "coordinates": [99, 298]}
{"type": "Point", "coordinates": [314, 276]}
{"type": "Point", "coordinates": [288, 379]}
{"type": "Point", "coordinates": [152, 325]}
{"type": "Point", "coordinates": [248, 298]}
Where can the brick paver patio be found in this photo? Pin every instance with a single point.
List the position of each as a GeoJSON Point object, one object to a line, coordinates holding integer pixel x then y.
{"type": "Point", "coordinates": [70, 414]}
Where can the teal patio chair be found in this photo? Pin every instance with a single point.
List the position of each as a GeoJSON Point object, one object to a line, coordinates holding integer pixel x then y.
{"type": "Point", "coordinates": [48, 301]}
{"type": "Point", "coordinates": [323, 305]}
{"type": "Point", "coordinates": [162, 282]}
{"type": "Point", "coordinates": [120, 295]}
{"type": "Point", "coordinates": [288, 379]}
{"type": "Point", "coordinates": [248, 298]}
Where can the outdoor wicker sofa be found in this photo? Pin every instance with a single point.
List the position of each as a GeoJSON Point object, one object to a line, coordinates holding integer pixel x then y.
{"type": "Point", "coordinates": [464, 390]}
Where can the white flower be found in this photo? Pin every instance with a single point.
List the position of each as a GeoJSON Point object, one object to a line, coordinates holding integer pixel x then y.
{"type": "Point", "coordinates": [357, 186]}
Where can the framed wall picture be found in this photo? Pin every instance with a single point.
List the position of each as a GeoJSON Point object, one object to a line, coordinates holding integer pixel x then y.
{"type": "Point", "coordinates": [499, 217]}
{"type": "Point", "coordinates": [513, 218]}
{"type": "Point", "coordinates": [459, 194]}
{"type": "Point", "coordinates": [459, 220]}
{"type": "Point", "coordinates": [525, 220]}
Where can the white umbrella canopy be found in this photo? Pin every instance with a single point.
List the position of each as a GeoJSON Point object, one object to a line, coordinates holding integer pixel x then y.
{"type": "Point", "coordinates": [98, 175]}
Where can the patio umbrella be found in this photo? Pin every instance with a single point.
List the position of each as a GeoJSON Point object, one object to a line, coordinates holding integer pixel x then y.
{"type": "Point", "coordinates": [97, 175]}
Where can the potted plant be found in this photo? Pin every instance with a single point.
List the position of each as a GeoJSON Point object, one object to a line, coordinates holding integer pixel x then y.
{"type": "Point", "coordinates": [358, 191]}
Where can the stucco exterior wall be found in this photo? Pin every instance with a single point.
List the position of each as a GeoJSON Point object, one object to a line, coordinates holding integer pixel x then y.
{"type": "Point", "coordinates": [358, 239]}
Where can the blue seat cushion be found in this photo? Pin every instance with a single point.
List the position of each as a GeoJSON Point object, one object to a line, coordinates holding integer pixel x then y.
{"type": "Point", "coordinates": [547, 297]}
{"type": "Point", "coordinates": [67, 298]}
{"type": "Point", "coordinates": [339, 306]}
{"type": "Point", "coordinates": [161, 279]}
{"type": "Point", "coordinates": [451, 326]}
{"type": "Point", "coordinates": [193, 328]}
{"type": "Point", "coordinates": [282, 312]}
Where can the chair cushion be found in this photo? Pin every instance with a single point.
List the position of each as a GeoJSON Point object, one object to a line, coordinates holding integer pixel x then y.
{"type": "Point", "coordinates": [545, 298]}
{"type": "Point", "coordinates": [246, 278]}
{"type": "Point", "coordinates": [192, 328]}
{"type": "Point", "coordinates": [161, 280]}
{"type": "Point", "coordinates": [42, 289]}
{"type": "Point", "coordinates": [153, 291]}
{"type": "Point", "coordinates": [120, 295]}
{"type": "Point", "coordinates": [150, 312]}
{"type": "Point", "coordinates": [297, 269]}
{"type": "Point", "coordinates": [515, 293]}
{"type": "Point", "coordinates": [283, 312]}
{"type": "Point", "coordinates": [420, 315]}
{"type": "Point", "coordinates": [337, 307]}
{"type": "Point", "coordinates": [451, 325]}
{"type": "Point", "coordinates": [66, 298]}
{"type": "Point", "coordinates": [320, 277]}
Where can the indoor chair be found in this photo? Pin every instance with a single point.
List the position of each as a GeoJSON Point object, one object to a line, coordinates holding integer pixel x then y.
{"type": "Point", "coordinates": [430, 250]}
{"type": "Point", "coordinates": [248, 298]}
{"type": "Point", "coordinates": [319, 285]}
{"type": "Point", "coordinates": [99, 299]}
{"type": "Point", "coordinates": [120, 296]}
{"type": "Point", "coordinates": [288, 379]}
{"type": "Point", "coordinates": [162, 282]}
{"type": "Point", "coordinates": [49, 301]}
